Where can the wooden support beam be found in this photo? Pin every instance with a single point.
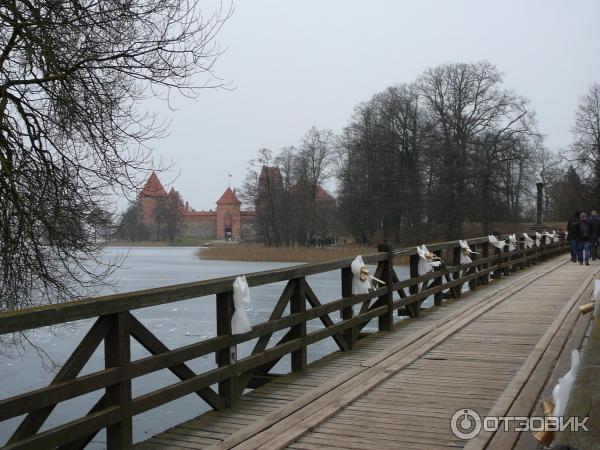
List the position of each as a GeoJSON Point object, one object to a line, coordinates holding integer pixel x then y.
{"type": "Point", "coordinates": [299, 357]}
{"type": "Point", "coordinates": [414, 308]}
{"type": "Point", "coordinates": [485, 253]}
{"type": "Point", "coordinates": [70, 369]}
{"type": "Point", "coordinates": [154, 345]}
{"type": "Point", "coordinates": [348, 312]}
{"type": "Point", "coordinates": [227, 388]}
{"type": "Point", "coordinates": [119, 436]}
{"type": "Point", "coordinates": [386, 321]}
{"type": "Point", "coordinates": [313, 300]}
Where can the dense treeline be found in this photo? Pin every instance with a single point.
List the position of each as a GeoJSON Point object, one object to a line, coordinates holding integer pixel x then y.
{"type": "Point", "coordinates": [426, 157]}
{"type": "Point", "coordinates": [419, 160]}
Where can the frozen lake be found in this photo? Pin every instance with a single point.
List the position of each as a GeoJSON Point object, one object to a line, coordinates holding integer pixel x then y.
{"type": "Point", "coordinates": [176, 324]}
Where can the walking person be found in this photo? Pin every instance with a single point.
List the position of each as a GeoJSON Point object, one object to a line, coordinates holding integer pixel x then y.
{"type": "Point", "coordinates": [573, 230]}
{"type": "Point", "coordinates": [585, 235]}
{"type": "Point", "coordinates": [594, 222]}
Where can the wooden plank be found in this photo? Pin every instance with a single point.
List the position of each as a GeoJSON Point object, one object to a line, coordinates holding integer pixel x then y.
{"type": "Point", "coordinates": [513, 390]}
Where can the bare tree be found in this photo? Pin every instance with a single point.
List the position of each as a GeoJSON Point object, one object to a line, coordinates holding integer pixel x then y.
{"type": "Point", "coordinates": [465, 100]}
{"type": "Point", "coordinates": [73, 76]}
{"type": "Point", "coordinates": [586, 131]}
{"type": "Point", "coordinates": [314, 164]}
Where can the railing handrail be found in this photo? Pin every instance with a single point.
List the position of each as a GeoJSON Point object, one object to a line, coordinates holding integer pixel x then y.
{"type": "Point", "coordinates": [56, 313]}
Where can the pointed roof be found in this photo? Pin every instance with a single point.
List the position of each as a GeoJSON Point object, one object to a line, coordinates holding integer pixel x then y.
{"type": "Point", "coordinates": [321, 194]}
{"type": "Point", "coordinates": [228, 197]}
{"type": "Point", "coordinates": [153, 187]}
{"type": "Point", "coordinates": [271, 172]}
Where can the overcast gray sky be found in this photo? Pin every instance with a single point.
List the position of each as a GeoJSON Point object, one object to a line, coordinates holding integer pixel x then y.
{"type": "Point", "coordinates": [296, 64]}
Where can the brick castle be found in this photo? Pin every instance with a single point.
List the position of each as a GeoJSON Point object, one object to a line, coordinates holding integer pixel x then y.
{"type": "Point", "coordinates": [227, 221]}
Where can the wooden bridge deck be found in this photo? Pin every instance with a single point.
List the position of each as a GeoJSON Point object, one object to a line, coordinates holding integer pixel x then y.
{"type": "Point", "coordinates": [492, 350]}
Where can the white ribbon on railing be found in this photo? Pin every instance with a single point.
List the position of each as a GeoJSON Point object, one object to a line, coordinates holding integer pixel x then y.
{"type": "Point", "coordinates": [512, 242]}
{"type": "Point", "coordinates": [241, 297]}
{"type": "Point", "coordinates": [495, 242]}
{"type": "Point", "coordinates": [465, 257]}
{"type": "Point", "coordinates": [555, 237]}
{"type": "Point", "coordinates": [528, 240]}
{"type": "Point", "coordinates": [538, 238]}
{"type": "Point", "coordinates": [362, 280]}
{"type": "Point", "coordinates": [427, 260]}
{"type": "Point", "coordinates": [596, 297]}
{"type": "Point", "coordinates": [562, 391]}
{"type": "Point", "coordinates": [547, 237]}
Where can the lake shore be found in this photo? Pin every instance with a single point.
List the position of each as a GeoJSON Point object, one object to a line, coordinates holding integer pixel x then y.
{"type": "Point", "coordinates": [258, 252]}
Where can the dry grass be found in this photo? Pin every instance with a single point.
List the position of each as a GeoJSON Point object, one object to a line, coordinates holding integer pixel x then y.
{"type": "Point", "coordinates": [258, 252]}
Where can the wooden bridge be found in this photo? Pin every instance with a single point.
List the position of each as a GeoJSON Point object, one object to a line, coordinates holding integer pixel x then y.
{"type": "Point", "coordinates": [496, 349]}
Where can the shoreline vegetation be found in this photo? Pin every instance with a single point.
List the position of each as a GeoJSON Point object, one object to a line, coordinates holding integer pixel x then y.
{"type": "Point", "coordinates": [258, 252]}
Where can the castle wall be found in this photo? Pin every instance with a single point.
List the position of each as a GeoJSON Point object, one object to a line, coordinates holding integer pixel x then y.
{"type": "Point", "coordinates": [228, 215]}
{"type": "Point", "coordinates": [201, 230]}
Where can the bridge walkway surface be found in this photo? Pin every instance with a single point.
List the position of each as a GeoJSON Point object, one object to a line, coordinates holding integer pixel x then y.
{"type": "Point", "coordinates": [494, 350]}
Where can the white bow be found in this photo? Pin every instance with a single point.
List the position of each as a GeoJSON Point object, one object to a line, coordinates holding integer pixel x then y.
{"type": "Point", "coordinates": [495, 242]}
{"type": "Point", "coordinates": [562, 391]}
{"type": "Point", "coordinates": [466, 251]}
{"type": "Point", "coordinates": [555, 236]}
{"type": "Point", "coordinates": [512, 242]}
{"type": "Point", "coordinates": [538, 238]}
{"type": "Point", "coordinates": [241, 297]}
{"type": "Point", "coordinates": [362, 280]}
{"type": "Point", "coordinates": [528, 240]}
{"type": "Point", "coordinates": [427, 260]}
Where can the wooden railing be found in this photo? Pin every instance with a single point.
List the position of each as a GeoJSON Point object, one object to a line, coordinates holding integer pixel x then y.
{"type": "Point", "coordinates": [115, 325]}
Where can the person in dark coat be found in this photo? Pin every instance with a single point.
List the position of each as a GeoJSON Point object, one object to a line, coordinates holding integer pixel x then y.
{"type": "Point", "coordinates": [594, 222]}
{"type": "Point", "coordinates": [585, 235]}
{"type": "Point", "coordinates": [573, 230]}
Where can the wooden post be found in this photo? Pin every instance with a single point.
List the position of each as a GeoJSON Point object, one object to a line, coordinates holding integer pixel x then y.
{"type": "Point", "coordinates": [456, 275]}
{"type": "Point", "coordinates": [227, 356]}
{"type": "Point", "coordinates": [473, 282]}
{"type": "Point", "coordinates": [298, 305]}
{"type": "Point", "coordinates": [485, 252]}
{"type": "Point", "coordinates": [386, 320]}
{"type": "Point", "coordinates": [119, 436]}
{"type": "Point", "coordinates": [348, 312]}
{"type": "Point", "coordinates": [539, 216]}
{"type": "Point", "coordinates": [522, 252]}
{"type": "Point", "coordinates": [497, 273]}
{"type": "Point", "coordinates": [414, 308]}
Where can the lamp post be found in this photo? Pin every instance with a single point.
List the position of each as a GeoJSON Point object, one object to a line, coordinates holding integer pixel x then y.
{"type": "Point", "coordinates": [539, 215]}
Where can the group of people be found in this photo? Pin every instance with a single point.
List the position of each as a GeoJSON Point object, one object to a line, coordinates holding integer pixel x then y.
{"type": "Point", "coordinates": [583, 234]}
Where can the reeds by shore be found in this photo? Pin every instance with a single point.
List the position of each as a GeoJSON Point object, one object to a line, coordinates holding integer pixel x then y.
{"type": "Point", "coordinates": [258, 252]}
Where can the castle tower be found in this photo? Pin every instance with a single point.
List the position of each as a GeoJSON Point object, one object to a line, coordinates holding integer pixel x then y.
{"type": "Point", "coordinates": [149, 197]}
{"type": "Point", "coordinates": [228, 215]}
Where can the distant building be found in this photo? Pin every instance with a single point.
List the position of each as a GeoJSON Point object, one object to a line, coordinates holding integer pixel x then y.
{"type": "Point", "coordinates": [227, 221]}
